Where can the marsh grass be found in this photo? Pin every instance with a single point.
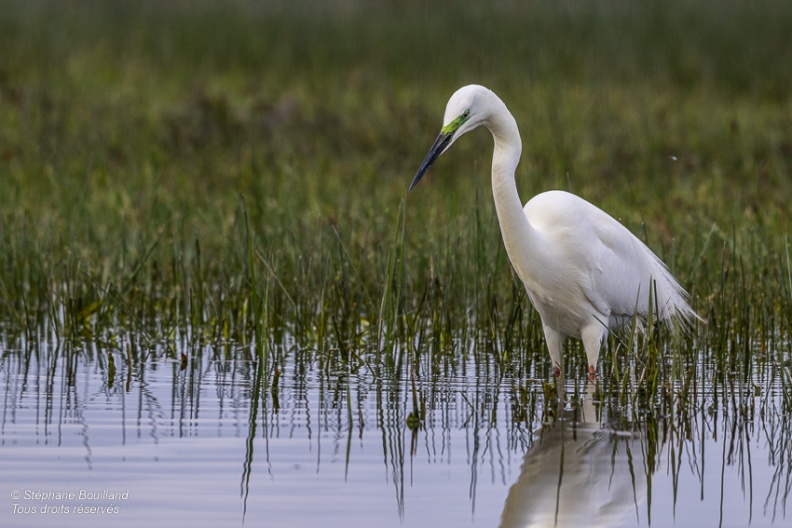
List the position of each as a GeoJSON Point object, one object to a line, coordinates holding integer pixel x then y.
{"type": "Point", "coordinates": [235, 175]}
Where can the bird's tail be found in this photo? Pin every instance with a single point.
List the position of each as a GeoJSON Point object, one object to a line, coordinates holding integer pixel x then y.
{"type": "Point", "coordinates": [671, 302]}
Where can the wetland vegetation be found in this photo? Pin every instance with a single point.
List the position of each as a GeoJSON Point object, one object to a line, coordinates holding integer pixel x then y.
{"type": "Point", "coordinates": [136, 139]}
{"type": "Point", "coordinates": [198, 181]}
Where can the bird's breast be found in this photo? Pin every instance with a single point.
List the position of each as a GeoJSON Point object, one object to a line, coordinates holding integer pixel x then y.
{"type": "Point", "coordinates": [564, 307]}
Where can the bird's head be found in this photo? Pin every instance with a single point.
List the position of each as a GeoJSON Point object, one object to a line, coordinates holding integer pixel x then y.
{"type": "Point", "coordinates": [466, 110]}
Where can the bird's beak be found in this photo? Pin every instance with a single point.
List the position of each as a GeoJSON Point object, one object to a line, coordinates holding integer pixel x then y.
{"type": "Point", "coordinates": [438, 147]}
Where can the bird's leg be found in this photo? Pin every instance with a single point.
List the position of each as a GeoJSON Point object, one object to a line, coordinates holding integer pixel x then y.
{"type": "Point", "coordinates": [554, 341]}
{"type": "Point", "coordinates": [592, 336]}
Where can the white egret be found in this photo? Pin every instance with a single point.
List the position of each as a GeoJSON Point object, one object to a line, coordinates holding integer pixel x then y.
{"type": "Point", "coordinates": [585, 273]}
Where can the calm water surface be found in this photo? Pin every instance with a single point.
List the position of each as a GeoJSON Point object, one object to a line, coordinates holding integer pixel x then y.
{"type": "Point", "coordinates": [87, 443]}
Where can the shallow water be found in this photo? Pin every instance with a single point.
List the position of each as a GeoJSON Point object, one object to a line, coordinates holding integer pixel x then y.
{"type": "Point", "coordinates": [87, 444]}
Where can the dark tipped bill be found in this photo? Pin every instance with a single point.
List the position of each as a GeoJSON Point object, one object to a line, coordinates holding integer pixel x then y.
{"type": "Point", "coordinates": [438, 147]}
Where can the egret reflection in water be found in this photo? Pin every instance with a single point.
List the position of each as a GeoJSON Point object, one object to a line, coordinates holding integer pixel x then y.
{"type": "Point", "coordinates": [582, 472]}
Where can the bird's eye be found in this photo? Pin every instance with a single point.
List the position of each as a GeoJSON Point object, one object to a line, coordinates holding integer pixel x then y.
{"type": "Point", "coordinates": [466, 114]}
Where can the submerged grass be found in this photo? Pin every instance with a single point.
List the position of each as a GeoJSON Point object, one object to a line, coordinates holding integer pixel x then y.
{"type": "Point", "coordinates": [129, 131]}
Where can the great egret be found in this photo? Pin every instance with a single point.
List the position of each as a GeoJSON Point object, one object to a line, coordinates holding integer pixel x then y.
{"type": "Point", "coordinates": [585, 273]}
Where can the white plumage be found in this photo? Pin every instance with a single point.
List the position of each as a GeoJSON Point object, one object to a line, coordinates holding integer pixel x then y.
{"type": "Point", "coordinates": [585, 273]}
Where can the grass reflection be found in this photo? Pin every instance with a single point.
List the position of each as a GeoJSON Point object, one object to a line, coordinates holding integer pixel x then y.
{"type": "Point", "coordinates": [646, 449]}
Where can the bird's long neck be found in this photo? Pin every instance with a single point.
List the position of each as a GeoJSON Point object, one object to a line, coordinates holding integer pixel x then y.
{"type": "Point", "coordinates": [519, 236]}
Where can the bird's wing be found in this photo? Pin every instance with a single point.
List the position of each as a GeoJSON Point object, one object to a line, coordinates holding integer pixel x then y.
{"type": "Point", "coordinates": [592, 251]}
{"type": "Point", "coordinates": [619, 268]}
